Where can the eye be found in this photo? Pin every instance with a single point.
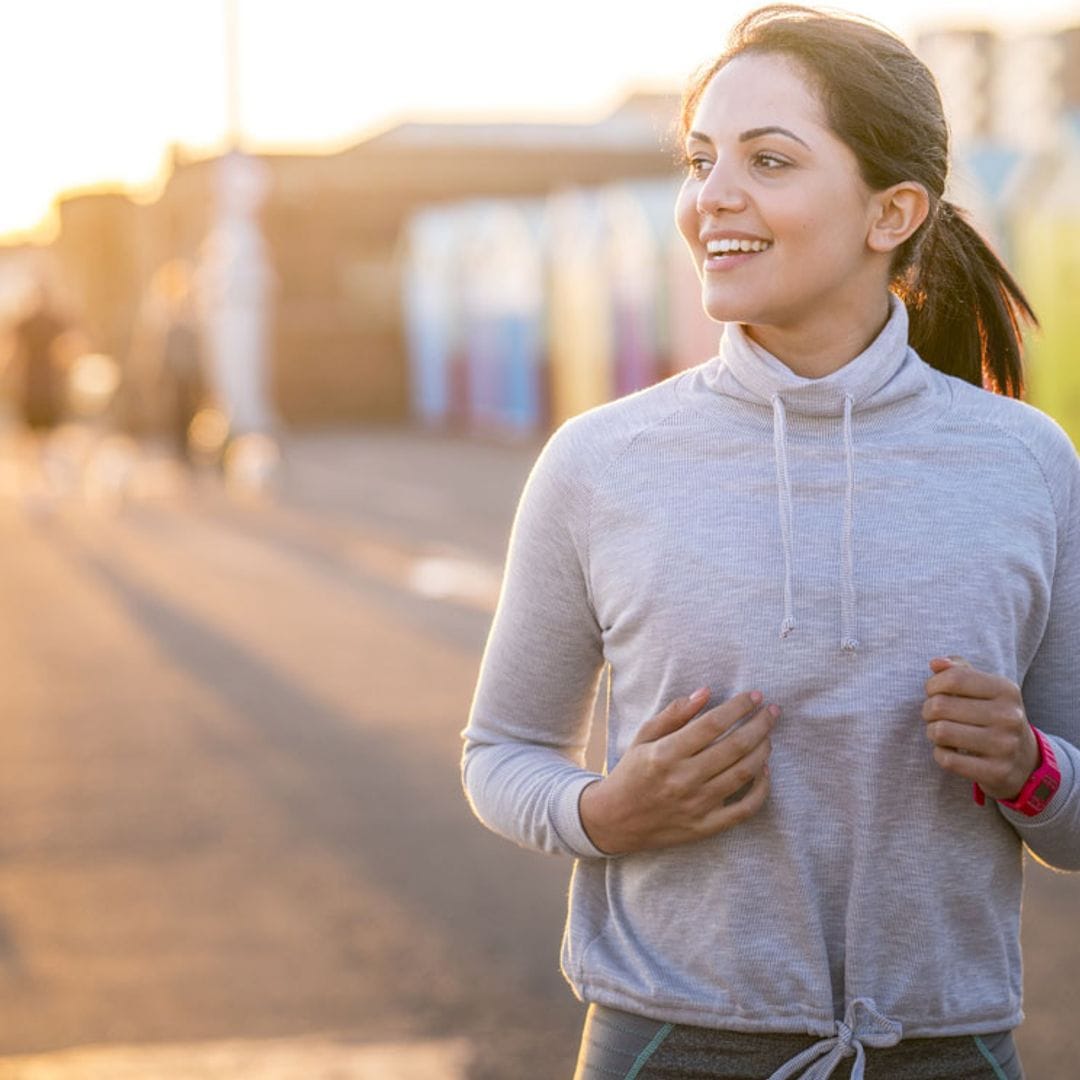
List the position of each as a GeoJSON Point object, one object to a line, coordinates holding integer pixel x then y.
{"type": "Point", "coordinates": [696, 165]}
{"type": "Point", "coordinates": [770, 161]}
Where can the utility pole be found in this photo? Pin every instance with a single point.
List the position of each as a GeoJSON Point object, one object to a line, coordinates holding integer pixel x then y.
{"type": "Point", "coordinates": [238, 283]}
{"type": "Point", "coordinates": [232, 76]}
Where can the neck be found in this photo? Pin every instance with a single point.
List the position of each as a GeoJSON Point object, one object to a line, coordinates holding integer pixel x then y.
{"type": "Point", "coordinates": [816, 351]}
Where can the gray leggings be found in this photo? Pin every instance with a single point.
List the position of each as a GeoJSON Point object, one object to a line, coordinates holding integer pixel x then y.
{"type": "Point", "coordinates": [618, 1045]}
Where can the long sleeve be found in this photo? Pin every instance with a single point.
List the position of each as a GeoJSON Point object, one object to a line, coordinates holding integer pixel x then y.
{"type": "Point", "coordinates": [1051, 689]}
{"type": "Point", "coordinates": [522, 765]}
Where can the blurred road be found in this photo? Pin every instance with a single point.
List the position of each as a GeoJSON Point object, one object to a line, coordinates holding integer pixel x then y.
{"type": "Point", "coordinates": [233, 840]}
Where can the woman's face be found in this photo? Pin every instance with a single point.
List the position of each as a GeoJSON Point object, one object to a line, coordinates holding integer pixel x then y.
{"type": "Point", "coordinates": [767, 172]}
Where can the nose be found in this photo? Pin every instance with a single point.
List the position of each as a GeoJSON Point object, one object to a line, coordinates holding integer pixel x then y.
{"type": "Point", "coordinates": [720, 191]}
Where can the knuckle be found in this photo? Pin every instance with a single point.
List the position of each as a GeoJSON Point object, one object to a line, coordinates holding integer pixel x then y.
{"type": "Point", "coordinates": [741, 774]}
{"type": "Point", "coordinates": [1000, 772]}
{"type": "Point", "coordinates": [741, 742]}
{"type": "Point", "coordinates": [745, 705]}
{"type": "Point", "coordinates": [731, 709]}
{"type": "Point", "coordinates": [1006, 745]}
{"type": "Point", "coordinates": [655, 760]}
{"type": "Point", "coordinates": [755, 798]}
{"type": "Point", "coordinates": [679, 788]}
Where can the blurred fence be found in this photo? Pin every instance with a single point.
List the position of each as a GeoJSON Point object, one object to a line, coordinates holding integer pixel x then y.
{"type": "Point", "coordinates": [522, 312]}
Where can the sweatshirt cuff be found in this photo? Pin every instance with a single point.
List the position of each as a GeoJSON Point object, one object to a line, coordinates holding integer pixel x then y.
{"type": "Point", "coordinates": [1065, 793]}
{"type": "Point", "coordinates": [566, 817]}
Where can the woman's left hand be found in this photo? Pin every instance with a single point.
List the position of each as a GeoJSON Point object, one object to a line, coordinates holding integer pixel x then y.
{"type": "Point", "coordinates": [978, 726]}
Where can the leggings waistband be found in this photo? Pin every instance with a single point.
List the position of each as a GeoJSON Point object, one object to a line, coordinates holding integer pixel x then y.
{"type": "Point", "coordinates": [618, 1045]}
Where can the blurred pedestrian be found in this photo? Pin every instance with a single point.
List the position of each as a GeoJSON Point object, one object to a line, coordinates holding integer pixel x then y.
{"type": "Point", "coordinates": [41, 361]}
{"type": "Point", "coordinates": [183, 373]}
{"type": "Point", "coordinates": [42, 347]}
{"type": "Point", "coordinates": [167, 385]}
{"type": "Point", "coordinates": [834, 584]}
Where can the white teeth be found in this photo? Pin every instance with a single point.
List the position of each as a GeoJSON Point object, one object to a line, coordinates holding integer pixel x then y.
{"type": "Point", "coordinates": [722, 247]}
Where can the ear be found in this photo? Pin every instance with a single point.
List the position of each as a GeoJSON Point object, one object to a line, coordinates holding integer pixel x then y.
{"type": "Point", "coordinates": [896, 213]}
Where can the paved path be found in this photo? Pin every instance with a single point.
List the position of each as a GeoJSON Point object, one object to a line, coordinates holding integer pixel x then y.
{"type": "Point", "coordinates": [233, 840]}
{"type": "Point", "coordinates": [302, 1058]}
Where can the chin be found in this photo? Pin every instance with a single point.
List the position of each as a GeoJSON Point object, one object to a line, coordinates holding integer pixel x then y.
{"type": "Point", "coordinates": [725, 310]}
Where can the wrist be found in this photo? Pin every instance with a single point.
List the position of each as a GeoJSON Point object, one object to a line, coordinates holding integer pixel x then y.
{"type": "Point", "coordinates": [1042, 781]}
{"type": "Point", "coordinates": [594, 810]}
{"type": "Point", "coordinates": [1026, 768]}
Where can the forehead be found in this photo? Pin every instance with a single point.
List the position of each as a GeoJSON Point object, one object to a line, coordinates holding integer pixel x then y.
{"type": "Point", "coordinates": [758, 90]}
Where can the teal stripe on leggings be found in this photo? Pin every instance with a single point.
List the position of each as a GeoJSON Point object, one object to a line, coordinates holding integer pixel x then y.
{"type": "Point", "coordinates": [985, 1051]}
{"type": "Point", "coordinates": [648, 1052]}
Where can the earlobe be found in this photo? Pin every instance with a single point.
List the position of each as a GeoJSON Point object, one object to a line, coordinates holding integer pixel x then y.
{"type": "Point", "coordinates": [901, 209]}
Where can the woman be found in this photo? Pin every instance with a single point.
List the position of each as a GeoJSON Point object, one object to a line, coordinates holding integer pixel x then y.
{"type": "Point", "coordinates": [835, 586]}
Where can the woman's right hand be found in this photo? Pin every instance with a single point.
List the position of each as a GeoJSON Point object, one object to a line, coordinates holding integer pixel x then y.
{"type": "Point", "coordinates": [676, 780]}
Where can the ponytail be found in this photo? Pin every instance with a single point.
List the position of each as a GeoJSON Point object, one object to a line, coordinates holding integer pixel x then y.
{"type": "Point", "coordinates": [964, 306]}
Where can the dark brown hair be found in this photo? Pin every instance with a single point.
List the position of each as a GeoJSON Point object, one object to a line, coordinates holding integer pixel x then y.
{"type": "Point", "coordinates": [965, 308]}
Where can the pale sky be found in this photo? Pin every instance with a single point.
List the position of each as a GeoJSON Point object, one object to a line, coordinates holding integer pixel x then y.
{"type": "Point", "coordinates": [94, 91]}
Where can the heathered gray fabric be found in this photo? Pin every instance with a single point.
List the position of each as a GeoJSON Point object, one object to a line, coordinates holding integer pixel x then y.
{"type": "Point", "coordinates": [656, 535]}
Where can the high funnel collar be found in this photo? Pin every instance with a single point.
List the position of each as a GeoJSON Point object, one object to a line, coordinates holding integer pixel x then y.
{"type": "Point", "coordinates": [885, 372]}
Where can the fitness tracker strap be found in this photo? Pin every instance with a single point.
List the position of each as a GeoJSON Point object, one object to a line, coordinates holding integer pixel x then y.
{"type": "Point", "coordinates": [1040, 786]}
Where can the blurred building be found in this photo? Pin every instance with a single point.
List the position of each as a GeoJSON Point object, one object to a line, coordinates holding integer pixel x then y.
{"type": "Point", "coordinates": [1013, 104]}
{"type": "Point", "coordinates": [388, 300]}
{"type": "Point", "coordinates": [334, 226]}
{"type": "Point", "coordinates": [1014, 90]}
{"type": "Point", "coordinates": [99, 254]}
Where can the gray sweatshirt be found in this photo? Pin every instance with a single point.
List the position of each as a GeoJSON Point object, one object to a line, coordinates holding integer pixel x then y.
{"type": "Point", "coordinates": [738, 526]}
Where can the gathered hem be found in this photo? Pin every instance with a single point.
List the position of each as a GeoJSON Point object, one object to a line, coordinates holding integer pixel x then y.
{"type": "Point", "coordinates": [785, 1020]}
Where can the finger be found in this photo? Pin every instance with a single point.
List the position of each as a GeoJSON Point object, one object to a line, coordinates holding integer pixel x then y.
{"type": "Point", "coordinates": [713, 723]}
{"type": "Point", "coordinates": [966, 681]}
{"type": "Point", "coordinates": [727, 814]}
{"type": "Point", "coordinates": [977, 712]}
{"type": "Point", "coordinates": [724, 753]}
{"type": "Point", "coordinates": [969, 766]}
{"type": "Point", "coordinates": [990, 774]}
{"type": "Point", "coordinates": [730, 780]}
{"type": "Point", "coordinates": [942, 663]}
{"type": "Point", "coordinates": [965, 738]}
{"type": "Point", "coordinates": [674, 716]}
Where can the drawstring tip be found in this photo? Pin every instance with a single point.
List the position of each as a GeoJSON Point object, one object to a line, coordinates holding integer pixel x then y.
{"type": "Point", "coordinates": [849, 644]}
{"type": "Point", "coordinates": [786, 627]}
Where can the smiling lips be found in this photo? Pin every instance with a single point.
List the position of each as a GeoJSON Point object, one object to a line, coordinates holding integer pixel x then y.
{"type": "Point", "coordinates": [735, 247]}
{"type": "Point", "coordinates": [730, 252]}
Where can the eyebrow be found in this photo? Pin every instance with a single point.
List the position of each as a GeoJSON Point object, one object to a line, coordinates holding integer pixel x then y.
{"type": "Point", "coordinates": [753, 133]}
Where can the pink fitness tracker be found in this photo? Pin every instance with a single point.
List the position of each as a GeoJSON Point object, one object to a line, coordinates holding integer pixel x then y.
{"type": "Point", "coordinates": [1040, 786]}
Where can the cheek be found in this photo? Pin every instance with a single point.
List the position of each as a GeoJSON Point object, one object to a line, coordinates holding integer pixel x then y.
{"type": "Point", "coordinates": [828, 236]}
{"type": "Point", "coordinates": [686, 216]}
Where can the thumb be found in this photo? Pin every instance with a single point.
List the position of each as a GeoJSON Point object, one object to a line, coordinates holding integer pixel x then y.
{"type": "Point", "coordinates": [943, 663]}
{"type": "Point", "coordinates": [674, 716]}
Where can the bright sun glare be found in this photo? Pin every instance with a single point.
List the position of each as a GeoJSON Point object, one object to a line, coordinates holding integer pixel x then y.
{"type": "Point", "coordinates": [97, 90]}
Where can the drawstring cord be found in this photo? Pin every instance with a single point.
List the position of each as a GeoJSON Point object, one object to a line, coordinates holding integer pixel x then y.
{"type": "Point", "coordinates": [783, 488]}
{"type": "Point", "coordinates": [848, 641]}
{"type": "Point", "coordinates": [862, 1026]}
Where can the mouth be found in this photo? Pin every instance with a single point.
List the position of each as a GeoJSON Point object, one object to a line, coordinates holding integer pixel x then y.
{"type": "Point", "coordinates": [727, 254]}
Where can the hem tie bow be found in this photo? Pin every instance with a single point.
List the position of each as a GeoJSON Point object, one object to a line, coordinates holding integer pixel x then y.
{"type": "Point", "coordinates": [862, 1026]}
